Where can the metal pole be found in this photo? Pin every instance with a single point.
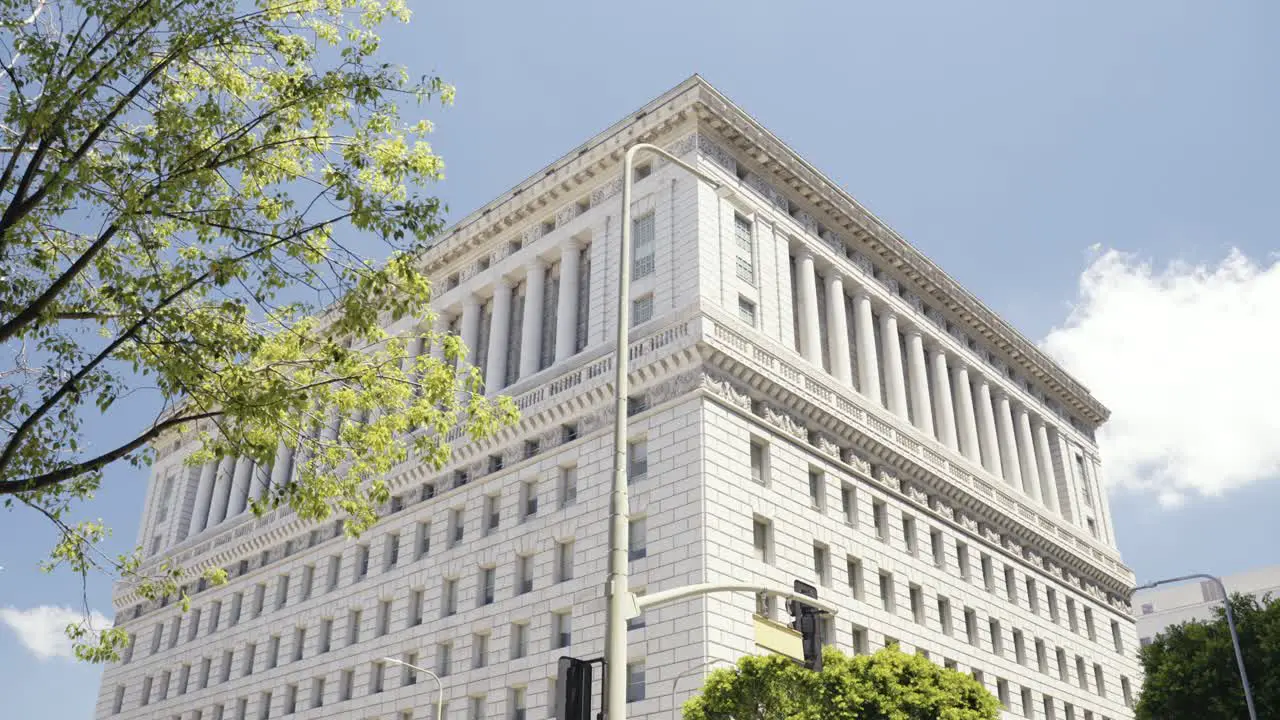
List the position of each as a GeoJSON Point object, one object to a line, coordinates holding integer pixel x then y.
{"type": "Point", "coordinates": [433, 676]}
{"type": "Point", "coordinates": [1231, 625]}
{"type": "Point", "coordinates": [616, 592]}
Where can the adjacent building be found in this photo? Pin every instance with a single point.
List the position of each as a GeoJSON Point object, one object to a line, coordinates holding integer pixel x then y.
{"type": "Point", "coordinates": [1160, 607]}
{"type": "Point", "coordinates": [812, 399]}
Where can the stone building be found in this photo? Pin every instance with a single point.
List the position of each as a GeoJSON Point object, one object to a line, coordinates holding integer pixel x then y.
{"type": "Point", "coordinates": [812, 399]}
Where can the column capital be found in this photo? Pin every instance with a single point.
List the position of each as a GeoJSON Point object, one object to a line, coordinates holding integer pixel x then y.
{"type": "Point", "coordinates": [911, 330]}
{"type": "Point", "coordinates": [803, 251]}
{"type": "Point", "coordinates": [535, 263]}
{"type": "Point", "coordinates": [833, 274]}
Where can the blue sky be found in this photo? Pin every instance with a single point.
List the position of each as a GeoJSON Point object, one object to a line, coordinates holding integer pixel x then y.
{"type": "Point", "coordinates": [1100, 174]}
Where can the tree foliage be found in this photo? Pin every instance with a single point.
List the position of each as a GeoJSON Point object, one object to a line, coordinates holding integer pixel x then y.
{"type": "Point", "coordinates": [193, 194]}
{"type": "Point", "coordinates": [888, 685]}
{"type": "Point", "coordinates": [1191, 672]}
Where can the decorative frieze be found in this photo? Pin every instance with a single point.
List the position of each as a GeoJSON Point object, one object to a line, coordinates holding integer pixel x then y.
{"type": "Point", "coordinates": [784, 421]}
{"type": "Point", "coordinates": [683, 146]}
{"type": "Point", "coordinates": [914, 301]}
{"type": "Point", "coordinates": [769, 192]}
{"type": "Point", "coordinates": [807, 221]}
{"type": "Point", "coordinates": [606, 191]}
{"type": "Point", "coordinates": [863, 263]}
{"type": "Point", "coordinates": [722, 387]}
{"type": "Point", "coordinates": [917, 494]}
{"type": "Point", "coordinates": [717, 154]}
{"type": "Point", "coordinates": [888, 478]}
{"type": "Point", "coordinates": [826, 445]}
{"type": "Point", "coordinates": [851, 457]}
{"type": "Point", "coordinates": [566, 214]}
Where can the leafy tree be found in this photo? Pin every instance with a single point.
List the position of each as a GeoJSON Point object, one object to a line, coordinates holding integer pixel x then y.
{"type": "Point", "coordinates": [1191, 672]}
{"type": "Point", "coordinates": [888, 684]}
{"type": "Point", "coordinates": [193, 194]}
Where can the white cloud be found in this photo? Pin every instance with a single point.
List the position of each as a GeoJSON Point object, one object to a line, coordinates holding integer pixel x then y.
{"type": "Point", "coordinates": [43, 629]}
{"type": "Point", "coordinates": [1188, 359]}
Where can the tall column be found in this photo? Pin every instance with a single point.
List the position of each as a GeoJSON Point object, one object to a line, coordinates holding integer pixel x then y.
{"type": "Point", "coordinates": [282, 468]}
{"type": "Point", "coordinates": [567, 303]}
{"type": "Point", "coordinates": [1027, 456]}
{"type": "Point", "coordinates": [531, 326]}
{"type": "Point", "coordinates": [204, 494]}
{"type": "Point", "coordinates": [865, 339]}
{"type": "Point", "coordinates": [942, 400]}
{"type": "Point", "coordinates": [807, 287]}
{"type": "Point", "coordinates": [240, 486]}
{"type": "Point", "coordinates": [1044, 461]}
{"type": "Point", "coordinates": [1005, 433]}
{"type": "Point", "coordinates": [894, 382]}
{"type": "Point", "coordinates": [919, 375]}
{"type": "Point", "coordinates": [1072, 509]}
{"type": "Point", "coordinates": [497, 370]}
{"type": "Point", "coordinates": [988, 435]}
{"type": "Point", "coordinates": [966, 419]}
{"type": "Point", "coordinates": [838, 328]}
{"type": "Point", "coordinates": [470, 330]}
{"type": "Point", "coordinates": [221, 491]}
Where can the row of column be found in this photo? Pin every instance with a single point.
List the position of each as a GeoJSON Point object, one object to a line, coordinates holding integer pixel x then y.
{"type": "Point", "coordinates": [227, 485]}
{"type": "Point", "coordinates": [531, 336]}
{"type": "Point", "coordinates": [936, 392]}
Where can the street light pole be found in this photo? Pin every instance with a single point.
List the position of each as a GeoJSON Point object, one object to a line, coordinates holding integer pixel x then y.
{"type": "Point", "coordinates": [621, 603]}
{"type": "Point", "coordinates": [1231, 625]}
{"type": "Point", "coordinates": [433, 676]}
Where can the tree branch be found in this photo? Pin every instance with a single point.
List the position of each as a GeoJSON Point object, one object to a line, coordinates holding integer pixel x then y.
{"type": "Point", "coordinates": [53, 477]}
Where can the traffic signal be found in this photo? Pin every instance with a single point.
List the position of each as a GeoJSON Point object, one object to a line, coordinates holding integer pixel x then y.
{"type": "Point", "coordinates": [804, 618]}
{"type": "Point", "coordinates": [573, 690]}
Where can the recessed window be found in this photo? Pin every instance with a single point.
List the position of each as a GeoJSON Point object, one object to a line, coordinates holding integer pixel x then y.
{"type": "Point", "coordinates": [880, 512]}
{"type": "Point", "coordinates": [822, 564]}
{"type": "Point", "coordinates": [519, 640]}
{"type": "Point", "coordinates": [817, 489]}
{"type": "Point", "coordinates": [759, 462]}
{"type": "Point", "coordinates": [643, 171]}
{"type": "Point", "coordinates": [642, 244]}
{"type": "Point", "coordinates": [492, 515]}
{"type": "Point", "coordinates": [449, 599]}
{"type": "Point", "coordinates": [909, 534]}
{"type": "Point", "coordinates": [762, 535]}
{"type": "Point", "coordinates": [487, 584]}
{"type": "Point", "coordinates": [744, 261]}
{"type": "Point", "coordinates": [642, 309]}
{"type": "Point", "coordinates": [635, 682]}
{"type": "Point", "coordinates": [479, 650]}
{"type": "Point", "coordinates": [561, 630]}
{"type": "Point", "coordinates": [962, 561]}
{"type": "Point", "coordinates": [944, 614]}
{"type": "Point", "coordinates": [849, 504]}
{"type": "Point", "coordinates": [997, 637]}
{"type": "Point", "coordinates": [564, 561]}
{"type": "Point", "coordinates": [637, 540]}
{"type": "Point", "coordinates": [568, 485]}
{"type": "Point", "coordinates": [886, 592]}
{"type": "Point", "coordinates": [916, 595]}
{"type": "Point", "coordinates": [637, 461]}
{"type": "Point", "coordinates": [853, 566]}
{"type": "Point", "coordinates": [746, 311]}
{"type": "Point", "coordinates": [528, 500]}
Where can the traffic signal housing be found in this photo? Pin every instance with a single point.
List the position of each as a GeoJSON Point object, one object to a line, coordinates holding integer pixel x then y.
{"type": "Point", "coordinates": [804, 618]}
{"type": "Point", "coordinates": [573, 689]}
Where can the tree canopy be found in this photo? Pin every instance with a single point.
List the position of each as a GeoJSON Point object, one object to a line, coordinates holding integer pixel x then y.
{"type": "Point", "coordinates": [1190, 668]}
{"type": "Point", "coordinates": [889, 684]}
{"type": "Point", "coordinates": [214, 208]}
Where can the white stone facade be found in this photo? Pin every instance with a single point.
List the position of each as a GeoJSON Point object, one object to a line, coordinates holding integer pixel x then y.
{"type": "Point", "coordinates": [943, 489]}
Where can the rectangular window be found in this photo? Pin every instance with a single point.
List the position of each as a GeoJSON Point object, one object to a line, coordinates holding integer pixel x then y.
{"type": "Point", "coordinates": [939, 549]}
{"type": "Point", "coordinates": [637, 461]}
{"type": "Point", "coordinates": [1127, 691]}
{"type": "Point", "coordinates": [492, 515]}
{"type": "Point", "coordinates": [1071, 616]}
{"type": "Point", "coordinates": [1002, 692]}
{"type": "Point", "coordinates": [962, 561]}
{"type": "Point", "coordinates": [635, 682]}
{"type": "Point", "coordinates": [759, 462]}
{"type": "Point", "coordinates": [391, 552]}
{"type": "Point", "coordinates": [762, 536]}
{"type": "Point", "coordinates": [1033, 597]}
{"type": "Point", "coordinates": [849, 504]}
{"type": "Point", "coordinates": [353, 626]}
{"type": "Point", "coordinates": [637, 542]}
{"type": "Point", "coordinates": [273, 651]}
{"type": "Point", "coordinates": [362, 562]}
{"type": "Point", "coordinates": [117, 703]}
{"type": "Point", "coordinates": [564, 561]}
{"type": "Point", "coordinates": [227, 657]}
{"type": "Point", "coordinates": [250, 650]}
{"type": "Point", "coordinates": [1063, 673]}
{"type": "Point", "coordinates": [456, 527]}
{"type": "Point", "coordinates": [1049, 709]}
{"type": "Point", "coordinates": [1028, 709]}
{"type": "Point", "coordinates": [1099, 681]}
{"type": "Point", "coordinates": [944, 615]}
{"type": "Point", "coordinates": [859, 640]}
{"type": "Point", "coordinates": [1088, 624]}
{"type": "Point", "coordinates": [1081, 676]}
{"type": "Point", "coordinates": [561, 630]}
{"type": "Point", "coordinates": [642, 260]}
{"type": "Point", "coordinates": [642, 309]}
{"type": "Point", "coordinates": [376, 670]}
{"type": "Point", "coordinates": [745, 249]}
{"type": "Point", "coordinates": [997, 636]}
{"type": "Point", "coordinates": [880, 512]}
{"type": "Point", "coordinates": [415, 608]}
{"type": "Point", "coordinates": [1010, 584]}
{"type": "Point", "coordinates": [290, 699]}
{"type": "Point", "coordinates": [746, 311]}
{"type": "Point", "coordinates": [1051, 599]}
{"type": "Point", "coordinates": [568, 485]}
{"type": "Point", "coordinates": [317, 692]}
{"type": "Point", "coordinates": [1116, 638]}
{"type": "Point", "coordinates": [145, 696]}
{"type": "Point", "coordinates": [264, 705]}
{"type": "Point", "coordinates": [449, 597]}
{"type": "Point", "coordinates": [487, 586]}
{"type": "Point", "coordinates": [174, 627]}
{"type": "Point", "coordinates": [384, 618]}
{"type": "Point", "coordinates": [988, 573]}
{"type": "Point", "coordinates": [517, 704]}
{"type": "Point", "coordinates": [817, 489]}
{"type": "Point", "coordinates": [529, 500]}
{"type": "Point", "coordinates": [308, 580]}
{"type": "Point", "coordinates": [854, 568]}
{"type": "Point", "coordinates": [519, 640]}
{"type": "Point", "coordinates": [422, 540]}
{"type": "Point", "coordinates": [886, 591]}
{"type": "Point", "coordinates": [444, 659]}
{"type": "Point", "coordinates": [206, 664]}
{"type": "Point", "coordinates": [909, 534]}
{"type": "Point", "coordinates": [1042, 657]}
{"type": "Point", "coordinates": [345, 681]}
{"type": "Point", "coordinates": [184, 676]}
{"type": "Point", "coordinates": [917, 603]}
{"type": "Point", "coordinates": [971, 626]}
{"type": "Point", "coordinates": [282, 591]}
{"type": "Point", "coordinates": [524, 574]}
{"type": "Point", "coordinates": [193, 628]}
{"type": "Point", "coordinates": [479, 650]}
{"type": "Point", "coordinates": [326, 634]}
{"type": "Point", "coordinates": [1019, 647]}
{"type": "Point", "coordinates": [335, 571]}
{"type": "Point", "coordinates": [476, 711]}
{"type": "Point", "coordinates": [822, 564]}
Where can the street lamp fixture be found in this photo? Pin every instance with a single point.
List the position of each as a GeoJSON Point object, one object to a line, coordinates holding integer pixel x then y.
{"type": "Point", "coordinates": [1231, 625]}
{"type": "Point", "coordinates": [433, 676]}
